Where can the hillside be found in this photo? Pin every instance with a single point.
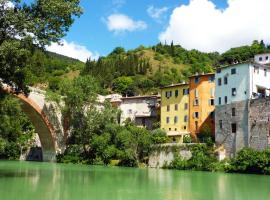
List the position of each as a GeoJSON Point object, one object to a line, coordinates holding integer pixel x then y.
{"type": "Point", "coordinates": [48, 67]}
{"type": "Point", "coordinates": [139, 71]}
{"type": "Point", "coordinates": [145, 69]}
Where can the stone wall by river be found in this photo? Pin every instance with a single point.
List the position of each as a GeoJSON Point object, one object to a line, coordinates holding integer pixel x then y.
{"type": "Point", "coordinates": [164, 154]}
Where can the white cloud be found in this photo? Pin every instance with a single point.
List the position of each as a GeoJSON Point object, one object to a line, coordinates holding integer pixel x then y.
{"type": "Point", "coordinates": [202, 26]}
{"type": "Point", "coordinates": [73, 50]}
{"type": "Point", "coordinates": [157, 13]}
{"type": "Point", "coordinates": [118, 23]}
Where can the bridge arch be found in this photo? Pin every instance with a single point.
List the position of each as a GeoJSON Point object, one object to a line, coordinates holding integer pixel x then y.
{"type": "Point", "coordinates": [42, 124]}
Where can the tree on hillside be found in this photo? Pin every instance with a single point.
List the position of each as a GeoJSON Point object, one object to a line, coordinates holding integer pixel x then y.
{"type": "Point", "coordinates": [124, 85]}
{"type": "Point", "coordinates": [26, 26]}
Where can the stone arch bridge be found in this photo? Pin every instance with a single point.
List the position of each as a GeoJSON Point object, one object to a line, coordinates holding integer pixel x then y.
{"type": "Point", "coordinates": [47, 119]}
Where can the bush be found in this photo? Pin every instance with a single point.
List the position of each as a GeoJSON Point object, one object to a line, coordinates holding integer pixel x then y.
{"type": "Point", "coordinates": [159, 136]}
{"type": "Point", "coordinates": [187, 139]}
{"type": "Point", "coordinates": [179, 163]}
{"type": "Point", "coordinates": [251, 161]}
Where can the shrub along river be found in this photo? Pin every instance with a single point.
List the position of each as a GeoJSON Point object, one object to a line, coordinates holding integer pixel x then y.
{"type": "Point", "coordinates": [49, 181]}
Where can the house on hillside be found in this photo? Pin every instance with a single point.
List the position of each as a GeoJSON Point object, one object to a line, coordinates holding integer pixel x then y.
{"type": "Point", "coordinates": [142, 110]}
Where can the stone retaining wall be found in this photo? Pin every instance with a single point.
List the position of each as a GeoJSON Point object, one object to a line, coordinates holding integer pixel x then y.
{"type": "Point", "coordinates": [164, 154]}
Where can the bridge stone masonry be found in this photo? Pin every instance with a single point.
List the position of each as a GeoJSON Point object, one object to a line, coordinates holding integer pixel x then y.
{"type": "Point", "coordinates": [47, 119]}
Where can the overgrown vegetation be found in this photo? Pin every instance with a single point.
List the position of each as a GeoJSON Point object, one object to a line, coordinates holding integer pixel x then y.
{"type": "Point", "coordinates": [16, 131]}
{"type": "Point", "coordinates": [96, 137]}
{"type": "Point", "coordinates": [203, 158]}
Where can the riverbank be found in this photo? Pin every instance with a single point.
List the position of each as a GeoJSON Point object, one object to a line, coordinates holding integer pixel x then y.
{"type": "Point", "coordinates": [195, 157]}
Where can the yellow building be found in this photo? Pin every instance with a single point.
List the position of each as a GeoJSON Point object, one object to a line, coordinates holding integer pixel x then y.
{"type": "Point", "coordinates": [174, 112]}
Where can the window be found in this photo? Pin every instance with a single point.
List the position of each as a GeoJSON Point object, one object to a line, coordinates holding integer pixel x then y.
{"type": "Point", "coordinates": [175, 119]}
{"type": "Point", "coordinates": [196, 125]}
{"type": "Point", "coordinates": [211, 79]}
{"type": "Point", "coordinates": [218, 70]}
{"type": "Point", "coordinates": [129, 111]}
{"type": "Point", "coordinates": [211, 102]}
{"type": "Point", "coordinates": [185, 118]}
{"type": "Point", "coordinates": [225, 99]}
{"type": "Point", "coordinates": [196, 102]}
{"type": "Point", "coordinates": [266, 57]}
{"type": "Point", "coordinates": [168, 108]}
{"type": "Point", "coordinates": [225, 80]}
{"type": "Point", "coordinates": [256, 70]}
{"type": "Point", "coordinates": [175, 129]}
{"type": "Point", "coordinates": [176, 107]}
{"type": "Point", "coordinates": [219, 81]}
{"type": "Point", "coordinates": [196, 80]}
{"type": "Point", "coordinates": [260, 58]}
{"type": "Point", "coordinates": [143, 121]}
{"type": "Point", "coordinates": [233, 91]}
{"type": "Point", "coordinates": [196, 115]}
{"type": "Point", "coordinates": [233, 112]}
{"type": "Point", "coordinates": [168, 94]}
{"type": "Point", "coordinates": [167, 120]}
{"type": "Point", "coordinates": [212, 115]}
{"type": "Point", "coordinates": [170, 129]}
{"type": "Point", "coordinates": [185, 127]}
{"type": "Point", "coordinates": [186, 106]}
{"type": "Point", "coordinates": [265, 72]}
{"type": "Point", "coordinates": [219, 101]}
{"type": "Point", "coordinates": [185, 91]}
{"type": "Point", "coordinates": [234, 127]}
{"type": "Point", "coordinates": [176, 93]}
{"type": "Point", "coordinates": [196, 93]}
{"type": "Point", "coordinates": [233, 71]}
{"type": "Point", "coordinates": [212, 92]}
{"type": "Point", "coordinates": [220, 124]}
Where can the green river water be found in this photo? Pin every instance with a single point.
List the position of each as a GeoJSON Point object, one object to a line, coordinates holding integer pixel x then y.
{"type": "Point", "coordinates": [46, 181]}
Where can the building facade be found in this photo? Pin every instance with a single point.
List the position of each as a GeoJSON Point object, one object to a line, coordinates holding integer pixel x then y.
{"type": "Point", "coordinates": [202, 104]}
{"type": "Point", "coordinates": [175, 111]}
{"type": "Point", "coordinates": [236, 87]}
{"type": "Point", "coordinates": [142, 110]}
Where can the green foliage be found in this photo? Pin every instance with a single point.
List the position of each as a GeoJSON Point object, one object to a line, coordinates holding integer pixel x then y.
{"type": "Point", "coordinates": [159, 136]}
{"type": "Point", "coordinates": [244, 53]}
{"type": "Point", "coordinates": [203, 159]}
{"type": "Point", "coordinates": [95, 135]}
{"type": "Point", "coordinates": [123, 85]}
{"type": "Point", "coordinates": [36, 24]}
{"type": "Point", "coordinates": [187, 139]}
{"type": "Point", "coordinates": [15, 129]}
{"type": "Point", "coordinates": [251, 161]}
{"type": "Point", "coordinates": [46, 67]}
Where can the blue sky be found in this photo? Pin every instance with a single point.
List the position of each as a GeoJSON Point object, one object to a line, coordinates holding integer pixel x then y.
{"type": "Point", "coordinates": [91, 31]}
{"type": "Point", "coordinates": [149, 21]}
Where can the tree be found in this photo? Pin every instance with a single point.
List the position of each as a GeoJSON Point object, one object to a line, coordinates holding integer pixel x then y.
{"type": "Point", "coordinates": [123, 85]}
{"type": "Point", "coordinates": [15, 128]}
{"type": "Point", "coordinates": [24, 27]}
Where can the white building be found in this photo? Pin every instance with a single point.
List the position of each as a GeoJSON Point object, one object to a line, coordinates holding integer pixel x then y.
{"type": "Point", "coordinates": [142, 110]}
{"type": "Point", "coordinates": [241, 82]}
{"type": "Point", "coordinates": [236, 85]}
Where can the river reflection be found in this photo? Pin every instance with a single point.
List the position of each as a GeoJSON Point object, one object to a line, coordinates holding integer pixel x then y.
{"type": "Point", "coordinates": [45, 181]}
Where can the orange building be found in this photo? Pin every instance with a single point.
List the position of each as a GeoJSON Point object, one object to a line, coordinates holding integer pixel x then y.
{"type": "Point", "coordinates": [202, 104]}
